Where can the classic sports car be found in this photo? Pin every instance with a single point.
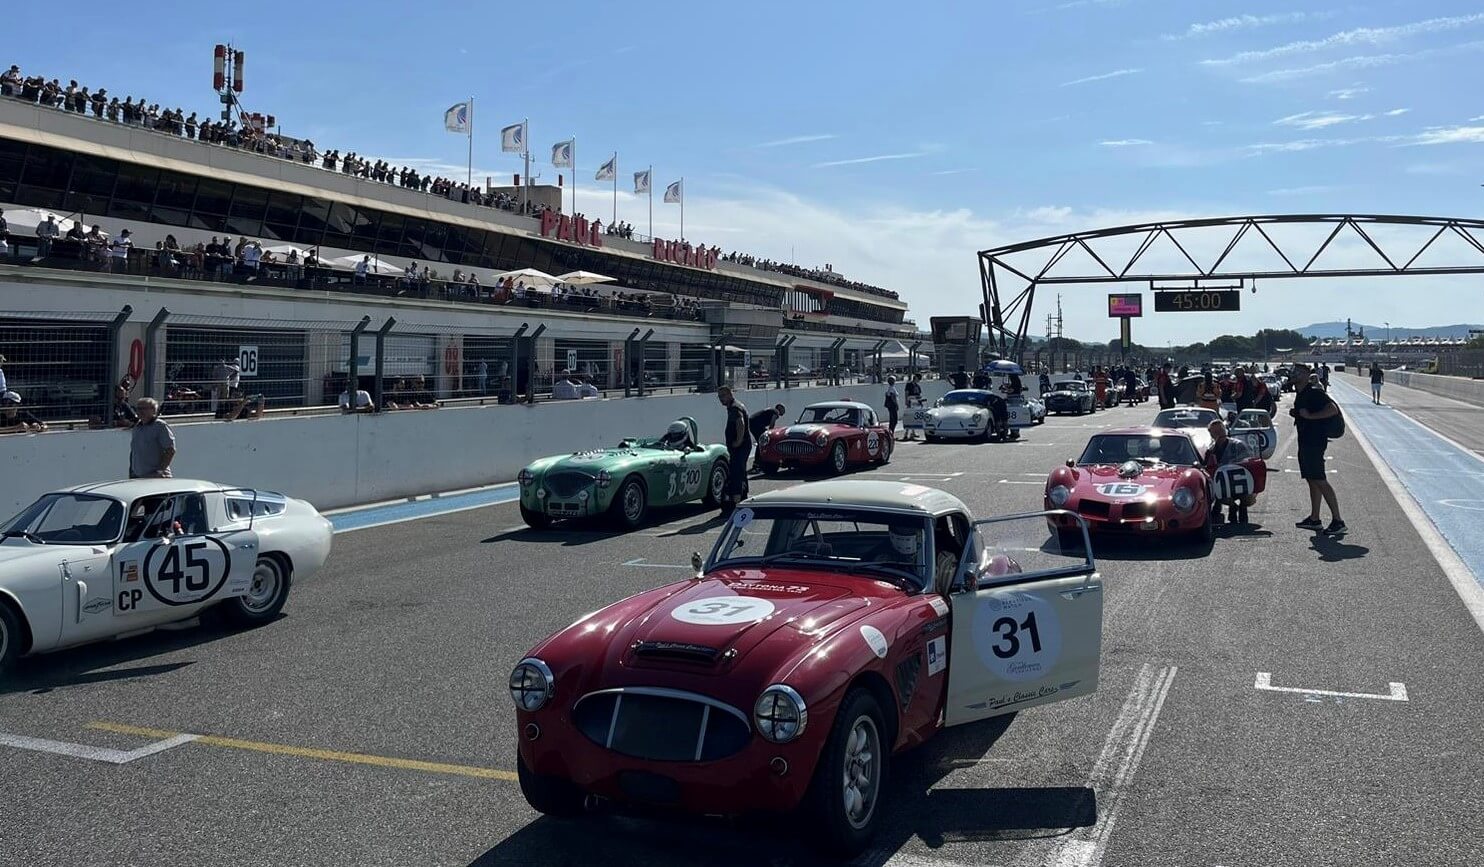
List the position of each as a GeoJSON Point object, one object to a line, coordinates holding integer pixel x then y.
{"type": "Point", "coordinates": [1255, 428]}
{"type": "Point", "coordinates": [1135, 480]}
{"type": "Point", "coordinates": [1037, 409]}
{"type": "Point", "coordinates": [96, 561]}
{"type": "Point", "coordinates": [967, 413]}
{"type": "Point", "coordinates": [1193, 420]}
{"type": "Point", "coordinates": [624, 482]}
{"type": "Point", "coordinates": [833, 434]}
{"type": "Point", "coordinates": [834, 625]}
{"type": "Point", "coordinates": [1070, 395]}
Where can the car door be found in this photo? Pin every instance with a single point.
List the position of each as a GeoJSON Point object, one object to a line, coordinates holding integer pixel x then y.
{"type": "Point", "coordinates": [1026, 620]}
{"type": "Point", "coordinates": [174, 563]}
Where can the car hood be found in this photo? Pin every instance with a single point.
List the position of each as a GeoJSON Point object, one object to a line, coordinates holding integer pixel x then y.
{"type": "Point", "coordinates": [958, 410]}
{"type": "Point", "coordinates": [593, 460]}
{"type": "Point", "coordinates": [808, 430]}
{"type": "Point", "coordinates": [1156, 479]}
{"type": "Point", "coordinates": [19, 554]}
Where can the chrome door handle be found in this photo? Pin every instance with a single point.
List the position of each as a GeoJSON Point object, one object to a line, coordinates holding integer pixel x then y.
{"type": "Point", "coordinates": [1074, 593]}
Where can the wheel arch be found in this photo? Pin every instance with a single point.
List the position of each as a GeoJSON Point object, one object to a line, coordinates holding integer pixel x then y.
{"type": "Point", "coordinates": [875, 683]}
{"type": "Point", "coordinates": [26, 638]}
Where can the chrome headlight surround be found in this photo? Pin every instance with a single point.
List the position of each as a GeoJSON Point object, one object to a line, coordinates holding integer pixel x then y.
{"type": "Point", "coordinates": [527, 478]}
{"type": "Point", "coordinates": [531, 684]}
{"type": "Point", "coordinates": [603, 479]}
{"type": "Point", "coordinates": [1058, 495]}
{"type": "Point", "coordinates": [821, 437]}
{"type": "Point", "coordinates": [1183, 499]}
{"type": "Point", "coordinates": [762, 438]}
{"type": "Point", "coordinates": [780, 714]}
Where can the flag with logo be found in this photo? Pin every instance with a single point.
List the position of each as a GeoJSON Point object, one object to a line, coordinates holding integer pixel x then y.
{"type": "Point", "coordinates": [513, 138]}
{"type": "Point", "coordinates": [561, 154]}
{"type": "Point", "coordinates": [673, 193]}
{"type": "Point", "coordinates": [456, 119]}
{"type": "Point", "coordinates": [641, 181]}
{"type": "Point", "coordinates": [609, 170]}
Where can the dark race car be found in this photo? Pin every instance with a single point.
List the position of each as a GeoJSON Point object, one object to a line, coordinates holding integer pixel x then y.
{"type": "Point", "coordinates": [1069, 395]}
{"type": "Point", "coordinates": [831, 436]}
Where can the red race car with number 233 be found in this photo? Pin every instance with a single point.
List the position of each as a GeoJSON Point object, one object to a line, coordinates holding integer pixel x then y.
{"type": "Point", "coordinates": [834, 625]}
{"type": "Point", "coordinates": [831, 435]}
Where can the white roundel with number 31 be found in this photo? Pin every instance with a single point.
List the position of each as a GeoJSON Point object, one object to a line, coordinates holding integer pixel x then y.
{"type": "Point", "coordinates": [1017, 635]}
{"type": "Point", "coordinates": [1231, 482]}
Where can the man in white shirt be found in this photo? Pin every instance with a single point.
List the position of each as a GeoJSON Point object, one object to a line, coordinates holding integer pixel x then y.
{"type": "Point", "coordinates": [565, 388]}
{"type": "Point", "coordinates": [45, 234]}
{"type": "Point", "coordinates": [252, 254]}
{"type": "Point", "coordinates": [363, 402]}
{"type": "Point", "coordinates": [587, 389]}
{"type": "Point", "coordinates": [120, 247]}
{"type": "Point", "coordinates": [361, 267]}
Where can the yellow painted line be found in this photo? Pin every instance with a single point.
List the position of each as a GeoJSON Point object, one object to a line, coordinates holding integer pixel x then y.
{"type": "Point", "coordinates": [312, 753]}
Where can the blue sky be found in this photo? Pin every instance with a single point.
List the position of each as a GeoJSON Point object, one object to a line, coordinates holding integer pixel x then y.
{"type": "Point", "coordinates": [891, 140]}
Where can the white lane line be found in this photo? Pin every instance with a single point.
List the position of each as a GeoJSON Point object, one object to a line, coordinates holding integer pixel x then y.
{"type": "Point", "coordinates": [1265, 681]}
{"type": "Point", "coordinates": [91, 753]}
{"type": "Point", "coordinates": [1017, 482]}
{"type": "Point", "coordinates": [645, 564]}
{"type": "Point", "coordinates": [1459, 574]}
{"type": "Point", "coordinates": [1117, 764]}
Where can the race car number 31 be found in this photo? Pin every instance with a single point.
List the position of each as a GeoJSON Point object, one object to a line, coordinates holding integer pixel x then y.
{"type": "Point", "coordinates": [723, 610]}
{"type": "Point", "coordinates": [1017, 635]}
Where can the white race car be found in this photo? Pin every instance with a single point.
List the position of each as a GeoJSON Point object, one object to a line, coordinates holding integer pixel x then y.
{"type": "Point", "coordinates": [967, 413]}
{"type": "Point", "coordinates": [1037, 409]}
{"type": "Point", "coordinates": [1194, 420]}
{"type": "Point", "coordinates": [97, 561]}
{"type": "Point", "coordinates": [1255, 428]}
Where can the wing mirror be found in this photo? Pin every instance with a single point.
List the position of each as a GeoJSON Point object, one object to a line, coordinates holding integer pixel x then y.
{"type": "Point", "coordinates": [696, 563]}
{"type": "Point", "coordinates": [1071, 463]}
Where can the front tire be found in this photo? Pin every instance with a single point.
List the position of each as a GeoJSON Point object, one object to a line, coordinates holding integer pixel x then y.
{"type": "Point", "coordinates": [630, 505]}
{"type": "Point", "coordinates": [534, 520]}
{"type": "Point", "coordinates": [847, 787]}
{"type": "Point", "coordinates": [10, 639]}
{"type": "Point", "coordinates": [716, 485]}
{"type": "Point", "coordinates": [552, 796]}
{"type": "Point", "coordinates": [265, 597]}
{"type": "Point", "coordinates": [838, 462]}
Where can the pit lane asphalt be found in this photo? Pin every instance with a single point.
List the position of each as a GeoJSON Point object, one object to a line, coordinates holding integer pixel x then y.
{"type": "Point", "coordinates": [399, 649]}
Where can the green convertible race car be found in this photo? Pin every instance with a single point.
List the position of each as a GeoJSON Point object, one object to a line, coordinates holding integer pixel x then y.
{"type": "Point", "coordinates": [622, 483]}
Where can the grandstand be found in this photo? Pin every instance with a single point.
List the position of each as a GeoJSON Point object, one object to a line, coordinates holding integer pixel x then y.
{"type": "Point", "coordinates": [436, 304]}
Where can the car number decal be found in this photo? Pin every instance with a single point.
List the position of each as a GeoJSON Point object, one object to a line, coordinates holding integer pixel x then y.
{"type": "Point", "coordinates": [873, 442]}
{"type": "Point", "coordinates": [684, 482]}
{"type": "Point", "coordinates": [1230, 482]}
{"type": "Point", "coordinates": [722, 610]}
{"type": "Point", "coordinates": [1121, 489]}
{"type": "Point", "coordinates": [1017, 635]}
{"type": "Point", "coordinates": [741, 518]}
{"type": "Point", "coordinates": [186, 571]}
{"type": "Point", "coordinates": [1256, 440]}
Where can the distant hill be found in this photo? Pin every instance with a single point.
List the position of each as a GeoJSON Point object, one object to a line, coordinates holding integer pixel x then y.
{"type": "Point", "coordinates": [1379, 332]}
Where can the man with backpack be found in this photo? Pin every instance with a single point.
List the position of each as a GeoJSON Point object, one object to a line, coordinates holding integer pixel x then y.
{"type": "Point", "coordinates": [1318, 420]}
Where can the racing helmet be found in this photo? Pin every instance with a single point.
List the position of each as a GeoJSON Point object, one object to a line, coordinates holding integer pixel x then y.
{"type": "Point", "coordinates": [904, 539]}
{"type": "Point", "coordinates": [677, 434]}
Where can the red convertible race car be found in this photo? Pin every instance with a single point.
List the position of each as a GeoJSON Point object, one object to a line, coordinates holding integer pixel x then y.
{"type": "Point", "coordinates": [834, 625]}
{"type": "Point", "coordinates": [832, 435]}
{"type": "Point", "coordinates": [1147, 481]}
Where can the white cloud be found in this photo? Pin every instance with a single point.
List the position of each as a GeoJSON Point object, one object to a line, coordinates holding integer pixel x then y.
{"type": "Point", "coordinates": [1451, 135]}
{"type": "Point", "coordinates": [1363, 61]}
{"type": "Point", "coordinates": [798, 139]}
{"type": "Point", "coordinates": [1125, 142]}
{"type": "Point", "coordinates": [1349, 92]}
{"type": "Point", "coordinates": [1396, 112]}
{"type": "Point", "coordinates": [1244, 22]}
{"type": "Point", "coordinates": [1357, 36]}
{"type": "Point", "coordinates": [875, 159]}
{"type": "Point", "coordinates": [1315, 190]}
{"type": "Point", "coordinates": [953, 172]}
{"type": "Point", "coordinates": [1308, 120]}
{"type": "Point", "coordinates": [1117, 73]}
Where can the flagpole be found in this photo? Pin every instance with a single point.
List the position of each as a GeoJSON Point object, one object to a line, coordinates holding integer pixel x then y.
{"type": "Point", "coordinates": [469, 174]}
{"type": "Point", "coordinates": [649, 187]}
{"type": "Point", "coordinates": [615, 190]}
{"type": "Point", "coordinates": [525, 179]}
{"type": "Point", "coordinates": [682, 207]}
{"type": "Point", "coordinates": [573, 167]}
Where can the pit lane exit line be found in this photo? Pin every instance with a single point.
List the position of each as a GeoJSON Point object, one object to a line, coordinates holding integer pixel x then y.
{"type": "Point", "coordinates": [418, 508]}
{"type": "Point", "coordinates": [308, 752]}
{"type": "Point", "coordinates": [92, 753]}
{"type": "Point", "coordinates": [1265, 681]}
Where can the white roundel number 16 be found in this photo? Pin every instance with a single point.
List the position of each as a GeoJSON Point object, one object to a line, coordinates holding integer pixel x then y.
{"type": "Point", "coordinates": [1231, 482]}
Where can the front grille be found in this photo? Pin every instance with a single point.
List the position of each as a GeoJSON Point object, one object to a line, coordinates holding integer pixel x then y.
{"type": "Point", "coordinates": [661, 725]}
{"type": "Point", "coordinates": [797, 448]}
{"type": "Point", "coordinates": [566, 483]}
{"type": "Point", "coordinates": [1138, 511]}
{"type": "Point", "coordinates": [1095, 508]}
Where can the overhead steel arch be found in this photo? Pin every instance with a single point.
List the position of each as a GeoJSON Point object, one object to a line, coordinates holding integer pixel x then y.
{"type": "Point", "coordinates": [1010, 281]}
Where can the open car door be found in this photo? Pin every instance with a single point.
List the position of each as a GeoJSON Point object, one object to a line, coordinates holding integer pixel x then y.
{"type": "Point", "coordinates": [1027, 619]}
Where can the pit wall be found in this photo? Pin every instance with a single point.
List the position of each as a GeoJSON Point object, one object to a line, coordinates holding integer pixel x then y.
{"type": "Point", "coordinates": [1456, 387]}
{"type": "Point", "coordinates": [336, 461]}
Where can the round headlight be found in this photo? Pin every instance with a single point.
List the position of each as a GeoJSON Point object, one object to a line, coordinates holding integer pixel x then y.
{"type": "Point", "coordinates": [1183, 499]}
{"type": "Point", "coordinates": [978, 417]}
{"type": "Point", "coordinates": [527, 478]}
{"type": "Point", "coordinates": [762, 438]}
{"type": "Point", "coordinates": [780, 714]}
{"type": "Point", "coordinates": [531, 684]}
{"type": "Point", "coordinates": [822, 437]}
{"type": "Point", "coordinates": [603, 478]}
{"type": "Point", "coordinates": [1058, 495]}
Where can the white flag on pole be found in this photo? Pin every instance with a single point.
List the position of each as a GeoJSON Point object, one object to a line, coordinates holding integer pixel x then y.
{"type": "Point", "coordinates": [609, 170]}
{"type": "Point", "coordinates": [456, 119]}
{"type": "Point", "coordinates": [561, 154]}
{"type": "Point", "coordinates": [513, 138]}
{"type": "Point", "coordinates": [641, 181]}
{"type": "Point", "coordinates": [673, 193]}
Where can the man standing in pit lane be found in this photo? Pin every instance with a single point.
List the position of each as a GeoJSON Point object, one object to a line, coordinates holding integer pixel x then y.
{"type": "Point", "coordinates": [764, 419]}
{"type": "Point", "coordinates": [1377, 377]}
{"type": "Point", "coordinates": [739, 449]}
{"type": "Point", "coordinates": [1312, 412]}
{"type": "Point", "coordinates": [959, 379]}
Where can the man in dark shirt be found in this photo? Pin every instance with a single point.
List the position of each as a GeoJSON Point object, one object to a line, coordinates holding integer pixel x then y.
{"type": "Point", "coordinates": [739, 448]}
{"type": "Point", "coordinates": [959, 379]}
{"type": "Point", "coordinates": [1377, 377]}
{"type": "Point", "coordinates": [13, 419]}
{"type": "Point", "coordinates": [981, 379]}
{"type": "Point", "coordinates": [762, 420]}
{"type": "Point", "coordinates": [1312, 409]}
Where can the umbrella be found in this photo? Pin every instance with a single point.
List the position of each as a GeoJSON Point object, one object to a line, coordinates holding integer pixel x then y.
{"type": "Point", "coordinates": [285, 249]}
{"type": "Point", "coordinates": [530, 277]}
{"type": "Point", "coordinates": [377, 264]}
{"type": "Point", "coordinates": [584, 278]}
{"type": "Point", "coordinates": [1003, 368]}
{"type": "Point", "coordinates": [30, 218]}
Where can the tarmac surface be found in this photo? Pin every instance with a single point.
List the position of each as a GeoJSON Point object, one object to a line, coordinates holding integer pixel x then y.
{"type": "Point", "coordinates": [1276, 698]}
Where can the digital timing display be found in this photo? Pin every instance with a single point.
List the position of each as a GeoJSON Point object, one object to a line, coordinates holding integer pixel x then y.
{"type": "Point", "coordinates": [1198, 301]}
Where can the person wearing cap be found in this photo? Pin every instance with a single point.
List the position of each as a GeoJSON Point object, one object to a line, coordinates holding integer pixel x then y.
{"type": "Point", "coordinates": [119, 252]}
{"type": "Point", "coordinates": [13, 419]}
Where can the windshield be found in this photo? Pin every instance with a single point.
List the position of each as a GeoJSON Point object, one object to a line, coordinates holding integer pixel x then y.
{"type": "Point", "coordinates": [1069, 385]}
{"type": "Point", "coordinates": [1117, 448]}
{"type": "Point", "coordinates": [974, 398]}
{"type": "Point", "coordinates": [830, 415]}
{"type": "Point", "coordinates": [1185, 418]}
{"type": "Point", "coordinates": [887, 547]}
{"type": "Point", "coordinates": [70, 519]}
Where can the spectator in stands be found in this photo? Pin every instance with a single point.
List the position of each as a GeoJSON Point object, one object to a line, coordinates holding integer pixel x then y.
{"type": "Point", "coordinates": [10, 81]}
{"type": "Point", "coordinates": [2, 374]}
{"type": "Point", "coordinates": [252, 256]}
{"type": "Point", "coordinates": [119, 252]}
{"type": "Point", "coordinates": [46, 233]}
{"type": "Point", "coordinates": [13, 419]}
{"type": "Point", "coordinates": [566, 387]}
{"type": "Point", "coordinates": [363, 403]}
{"type": "Point", "coordinates": [586, 388]}
{"type": "Point", "coordinates": [293, 269]}
{"type": "Point", "coordinates": [75, 236]}
{"type": "Point", "coordinates": [151, 444]}
{"type": "Point", "coordinates": [95, 245]}
{"type": "Point", "coordinates": [226, 377]}
{"type": "Point", "coordinates": [238, 404]}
